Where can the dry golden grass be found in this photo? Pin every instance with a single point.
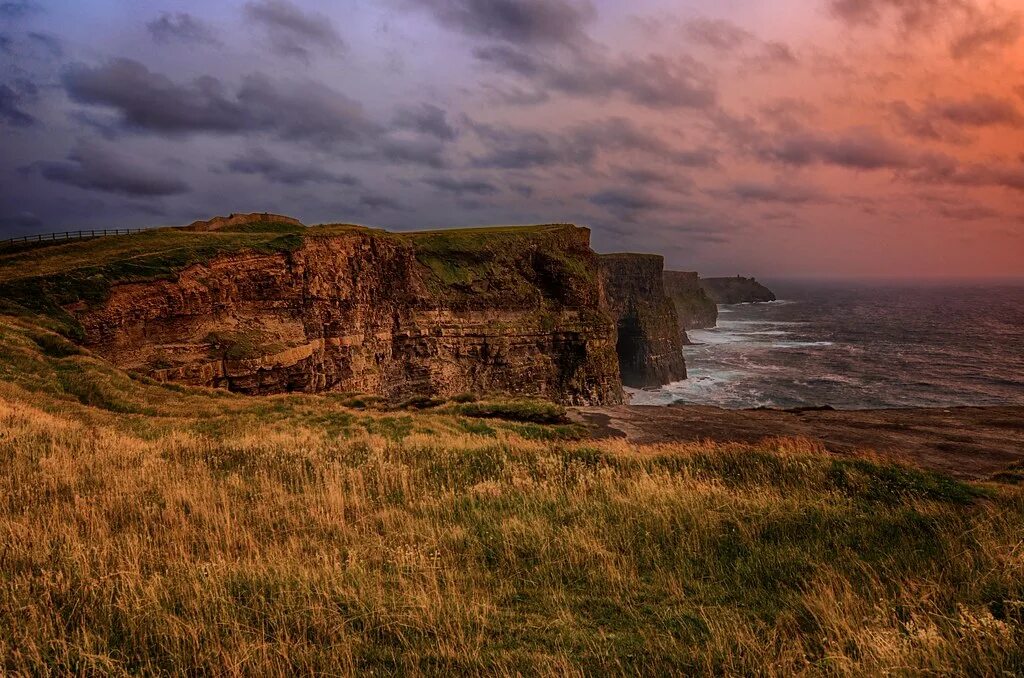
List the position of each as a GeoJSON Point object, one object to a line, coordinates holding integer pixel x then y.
{"type": "Point", "coordinates": [177, 531]}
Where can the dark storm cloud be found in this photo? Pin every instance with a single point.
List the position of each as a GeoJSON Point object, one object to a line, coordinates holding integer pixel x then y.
{"type": "Point", "coordinates": [425, 119]}
{"type": "Point", "coordinates": [294, 32]}
{"type": "Point", "coordinates": [296, 110]}
{"type": "Point", "coordinates": [461, 188]}
{"type": "Point", "coordinates": [11, 111]}
{"type": "Point", "coordinates": [181, 27]}
{"type": "Point", "coordinates": [718, 34]}
{"type": "Point", "coordinates": [97, 168]}
{"type": "Point", "coordinates": [260, 162]}
{"type": "Point", "coordinates": [6, 44]}
{"type": "Point", "coordinates": [987, 34]}
{"type": "Point", "coordinates": [152, 101]}
{"type": "Point", "coordinates": [753, 191]}
{"type": "Point", "coordinates": [557, 22]}
{"type": "Point", "coordinates": [654, 81]}
{"type": "Point", "coordinates": [859, 149]}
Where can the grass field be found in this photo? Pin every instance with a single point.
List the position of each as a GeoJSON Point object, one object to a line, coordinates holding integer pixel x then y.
{"type": "Point", "coordinates": [154, 530]}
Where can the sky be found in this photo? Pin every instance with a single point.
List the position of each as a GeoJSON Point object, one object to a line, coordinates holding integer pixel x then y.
{"type": "Point", "coordinates": [782, 138]}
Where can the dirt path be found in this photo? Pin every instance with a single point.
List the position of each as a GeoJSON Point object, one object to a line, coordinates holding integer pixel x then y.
{"type": "Point", "coordinates": [969, 442]}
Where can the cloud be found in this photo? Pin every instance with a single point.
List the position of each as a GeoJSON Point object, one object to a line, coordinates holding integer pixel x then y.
{"type": "Point", "coordinates": [510, 148]}
{"type": "Point", "coordinates": [98, 168]}
{"type": "Point", "coordinates": [943, 169]}
{"type": "Point", "coordinates": [376, 201]}
{"type": "Point", "coordinates": [292, 31]}
{"type": "Point", "coordinates": [152, 101]}
{"type": "Point", "coordinates": [521, 22]}
{"type": "Point", "coordinates": [858, 148]}
{"type": "Point", "coordinates": [425, 119]}
{"type": "Point", "coordinates": [777, 53]}
{"type": "Point", "coordinates": [416, 150]}
{"type": "Point", "coordinates": [754, 191]}
{"type": "Point", "coordinates": [17, 9]}
{"type": "Point", "coordinates": [984, 29]}
{"type": "Point", "coordinates": [181, 27]}
{"type": "Point", "coordinates": [295, 110]}
{"type": "Point", "coordinates": [911, 14]}
{"type": "Point", "coordinates": [51, 44]}
{"type": "Point", "coordinates": [462, 187]}
{"type": "Point", "coordinates": [6, 44]}
{"type": "Point", "coordinates": [626, 203]}
{"type": "Point", "coordinates": [579, 145]}
{"type": "Point", "coordinates": [717, 34]}
{"type": "Point", "coordinates": [653, 81]}
{"type": "Point", "coordinates": [260, 162]}
{"type": "Point", "coordinates": [11, 110]}
{"type": "Point", "coordinates": [304, 110]}
{"type": "Point", "coordinates": [988, 34]}
{"type": "Point", "coordinates": [21, 220]}
{"type": "Point", "coordinates": [945, 119]}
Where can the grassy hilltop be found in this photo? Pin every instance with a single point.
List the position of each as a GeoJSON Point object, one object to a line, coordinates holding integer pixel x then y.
{"type": "Point", "coordinates": [157, 530]}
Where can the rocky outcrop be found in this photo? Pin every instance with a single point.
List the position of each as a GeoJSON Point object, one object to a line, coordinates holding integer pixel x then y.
{"type": "Point", "coordinates": [736, 290]}
{"type": "Point", "coordinates": [649, 343]}
{"type": "Point", "coordinates": [695, 309]}
{"type": "Point", "coordinates": [235, 221]}
{"type": "Point", "coordinates": [512, 311]}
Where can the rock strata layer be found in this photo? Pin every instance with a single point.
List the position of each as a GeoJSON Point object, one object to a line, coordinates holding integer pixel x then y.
{"type": "Point", "coordinates": [650, 342]}
{"type": "Point", "coordinates": [695, 309]}
{"type": "Point", "coordinates": [519, 311]}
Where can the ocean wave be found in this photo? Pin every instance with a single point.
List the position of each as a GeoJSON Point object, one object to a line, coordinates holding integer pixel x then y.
{"type": "Point", "coordinates": [801, 344]}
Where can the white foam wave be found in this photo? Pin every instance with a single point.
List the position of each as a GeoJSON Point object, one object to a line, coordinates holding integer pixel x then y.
{"type": "Point", "coordinates": [800, 344]}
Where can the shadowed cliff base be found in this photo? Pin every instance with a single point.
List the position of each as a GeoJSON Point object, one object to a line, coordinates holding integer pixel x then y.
{"type": "Point", "coordinates": [968, 442]}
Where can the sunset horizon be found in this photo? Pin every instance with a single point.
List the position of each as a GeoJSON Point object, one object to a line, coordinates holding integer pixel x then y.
{"type": "Point", "coordinates": [839, 138]}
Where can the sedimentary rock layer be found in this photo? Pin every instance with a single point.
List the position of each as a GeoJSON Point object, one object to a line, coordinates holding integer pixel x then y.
{"type": "Point", "coordinates": [694, 308]}
{"type": "Point", "coordinates": [649, 339]}
{"type": "Point", "coordinates": [512, 311]}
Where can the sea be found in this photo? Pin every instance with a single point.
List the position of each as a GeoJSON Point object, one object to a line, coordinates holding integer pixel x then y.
{"type": "Point", "coordinates": [859, 346]}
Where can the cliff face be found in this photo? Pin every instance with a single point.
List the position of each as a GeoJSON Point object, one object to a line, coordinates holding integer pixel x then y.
{"type": "Point", "coordinates": [358, 310]}
{"type": "Point", "coordinates": [695, 309]}
{"type": "Point", "coordinates": [736, 290]}
{"type": "Point", "coordinates": [650, 341]}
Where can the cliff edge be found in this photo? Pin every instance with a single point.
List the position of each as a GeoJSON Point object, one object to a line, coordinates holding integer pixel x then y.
{"type": "Point", "coordinates": [694, 308]}
{"type": "Point", "coordinates": [736, 290]}
{"type": "Point", "coordinates": [650, 343]}
{"type": "Point", "coordinates": [260, 304]}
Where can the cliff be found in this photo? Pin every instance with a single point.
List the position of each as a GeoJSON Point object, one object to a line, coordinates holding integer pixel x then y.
{"type": "Point", "coordinates": [736, 290]}
{"type": "Point", "coordinates": [695, 309]}
{"type": "Point", "coordinates": [649, 339]}
{"type": "Point", "coordinates": [269, 306]}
